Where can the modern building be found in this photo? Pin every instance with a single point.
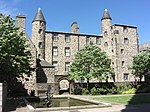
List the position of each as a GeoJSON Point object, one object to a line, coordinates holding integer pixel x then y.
{"type": "Point", "coordinates": [54, 51]}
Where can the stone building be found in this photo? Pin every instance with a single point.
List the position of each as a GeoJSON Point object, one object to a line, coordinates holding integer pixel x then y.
{"type": "Point", "coordinates": [54, 51]}
{"type": "Point", "coordinates": [144, 47]}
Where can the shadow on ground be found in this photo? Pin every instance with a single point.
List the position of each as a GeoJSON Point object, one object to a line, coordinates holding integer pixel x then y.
{"type": "Point", "coordinates": [140, 102]}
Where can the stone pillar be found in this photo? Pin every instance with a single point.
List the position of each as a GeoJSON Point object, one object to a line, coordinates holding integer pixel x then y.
{"type": "Point", "coordinates": [3, 95]}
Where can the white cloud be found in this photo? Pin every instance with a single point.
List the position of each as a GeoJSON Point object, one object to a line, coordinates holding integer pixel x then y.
{"type": "Point", "coordinates": [8, 9]}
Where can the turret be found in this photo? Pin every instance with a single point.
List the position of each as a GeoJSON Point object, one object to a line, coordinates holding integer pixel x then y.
{"type": "Point", "coordinates": [38, 33]}
{"type": "Point", "coordinates": [106, 22]}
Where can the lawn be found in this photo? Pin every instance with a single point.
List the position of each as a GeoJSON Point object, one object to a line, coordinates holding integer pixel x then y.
{"type": "Point", "coordinates": [126, 99]}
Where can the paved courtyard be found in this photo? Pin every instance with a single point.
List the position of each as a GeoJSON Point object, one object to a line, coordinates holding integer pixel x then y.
{"type": "Point", "coordinates": [114, 108]}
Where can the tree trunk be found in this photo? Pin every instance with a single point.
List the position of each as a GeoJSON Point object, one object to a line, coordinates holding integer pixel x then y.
{"type": "Point", "coordinates": [87, 83]}
{"type": "Point", "coordinates": [140, 79]}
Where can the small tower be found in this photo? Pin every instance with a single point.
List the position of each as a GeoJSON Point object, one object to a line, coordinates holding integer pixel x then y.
{"type": "Point", "coordinates": [106, 32]}
{"type": "Point", "coordinates": [38, 33]}
{"type": "Point", "coordinates": [106, 22]}
{"type": "Point", "coordinates": [74, 27]}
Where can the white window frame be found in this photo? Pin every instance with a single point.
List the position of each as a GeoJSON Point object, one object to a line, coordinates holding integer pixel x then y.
{"type": "Point", "coordinates": [55, 63]}
{"type": "Point", "coordinates": [67, 66]}
{"type": "Point", "coordinates": [67, 51]}
{"type": "Point", "coordinates": [55, 51]}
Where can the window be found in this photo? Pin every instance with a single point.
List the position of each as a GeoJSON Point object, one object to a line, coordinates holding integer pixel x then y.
{"type": "Point", "coordinates": [67, 66]}
{"type": "Point", "coordinates": [55, 37]}
{"type": "Point", "coordinates": [40, 45]}
{"type": "Point", "coordinates": [105, 33]}
{"type": "Point", "coordinates": [41, 23]}
{"type": "Point", "coordinates": [122, 51]}
{"type": "Point", "coordinates": [125, 29]}
{"type": "Point", "coordinates": [67, 51]}
{"type": "Point", "coordinates": [55, 51]}
{"type": "Point", "coordinates": [88, 40]}
{"type": "Point", "coordinates": [106, 44]}
{"type": "Point", "coordinates": [55, 63]}
{"type": "Point", "coordinates": [123, 64]}
{"type": "Point", "coordinates": [112, 63]}
{"type": "Point", "coordinates": [116, 32]}
{"type": "Point", "coordinates": [67, 38]}
{"type": "Point", "coordinates": [126, 76]}
{"type": "Point", "coordinates": [40, 31]}
{"type": "Point", "coordinates": [112, 41]}
{"type": "Point", "coordinates": [126, 41]}
{"type": "Point", "coordinates": [39, 56]}
{"type": "Point", "coordinates": [98, 41]}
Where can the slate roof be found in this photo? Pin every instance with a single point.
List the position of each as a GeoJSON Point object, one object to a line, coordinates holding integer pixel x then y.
{"type": "Point", "coordinates": [39, 16]}
{"type": "Point", "coordinates": [43, 63]}
{"type": "Point", "coordinates": [106, 15]}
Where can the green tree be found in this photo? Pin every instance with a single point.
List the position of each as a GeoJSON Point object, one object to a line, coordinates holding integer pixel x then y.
{"type": "Point", "coordinates": [91, 62]}
{"type": "Point", "coordinates": [14, 54]}
{"type": "Point", "coordinates": [141, 64]}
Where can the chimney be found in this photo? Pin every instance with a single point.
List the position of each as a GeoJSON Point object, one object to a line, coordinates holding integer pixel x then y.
{"type": "Point", "coordinates": [74, 27]}
{"type": "Point", "coordinates": [20, 22]}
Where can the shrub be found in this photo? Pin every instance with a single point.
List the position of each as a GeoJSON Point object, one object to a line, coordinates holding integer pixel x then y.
{"type": "Point", "coordinates": [77, 90]}
{"type": "Point", "coordinates": [122, 88]}
{"type": "Point", "coordinates": [102, 91]}
{"type": "Point", "coordinates": [130, 91]}
{"type": "Point", "coordinates": [85, 91]}
{"type": "Point", "coordinates": [98, 91]}
{"type": "Point", "coordinates": [94, 91]}
{"type": "Point", "coordinates": [113, 90]}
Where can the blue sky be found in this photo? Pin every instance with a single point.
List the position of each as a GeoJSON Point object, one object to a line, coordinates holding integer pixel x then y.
{"type": "Point", "coordinates": [59, 14]}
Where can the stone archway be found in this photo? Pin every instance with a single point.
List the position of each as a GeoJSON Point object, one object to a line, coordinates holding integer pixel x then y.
{"type": "Point", "coordinates": [64, 85]}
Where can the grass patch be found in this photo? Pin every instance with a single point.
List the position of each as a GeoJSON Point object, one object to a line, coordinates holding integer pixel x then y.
{"type": "Point", "coordinates": [127, 99]}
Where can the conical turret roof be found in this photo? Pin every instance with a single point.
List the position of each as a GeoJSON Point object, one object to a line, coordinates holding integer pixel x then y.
{"type": "Point", "coordinates": [106, 15]}
{"type": "Point", "coordinates": [39, 16]}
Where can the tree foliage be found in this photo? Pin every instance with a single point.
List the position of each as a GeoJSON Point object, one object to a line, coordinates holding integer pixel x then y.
{"type": "Point", "coordinates": [91, 62]}
{"type": "Point", "coordinates": [141, 64]}
{"type": "Point", "coordinates": [14, 54]}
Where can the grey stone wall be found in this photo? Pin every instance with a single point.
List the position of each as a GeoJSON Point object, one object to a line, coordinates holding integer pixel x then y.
{"type": "Point", "coordinates": [111, 41]}
{"type": "Point", "coordinates": [124, 58]}
{"type": "Point", "coordinates": [115, 43]}
{"type": "Point", "coordinates": [27, 80]}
